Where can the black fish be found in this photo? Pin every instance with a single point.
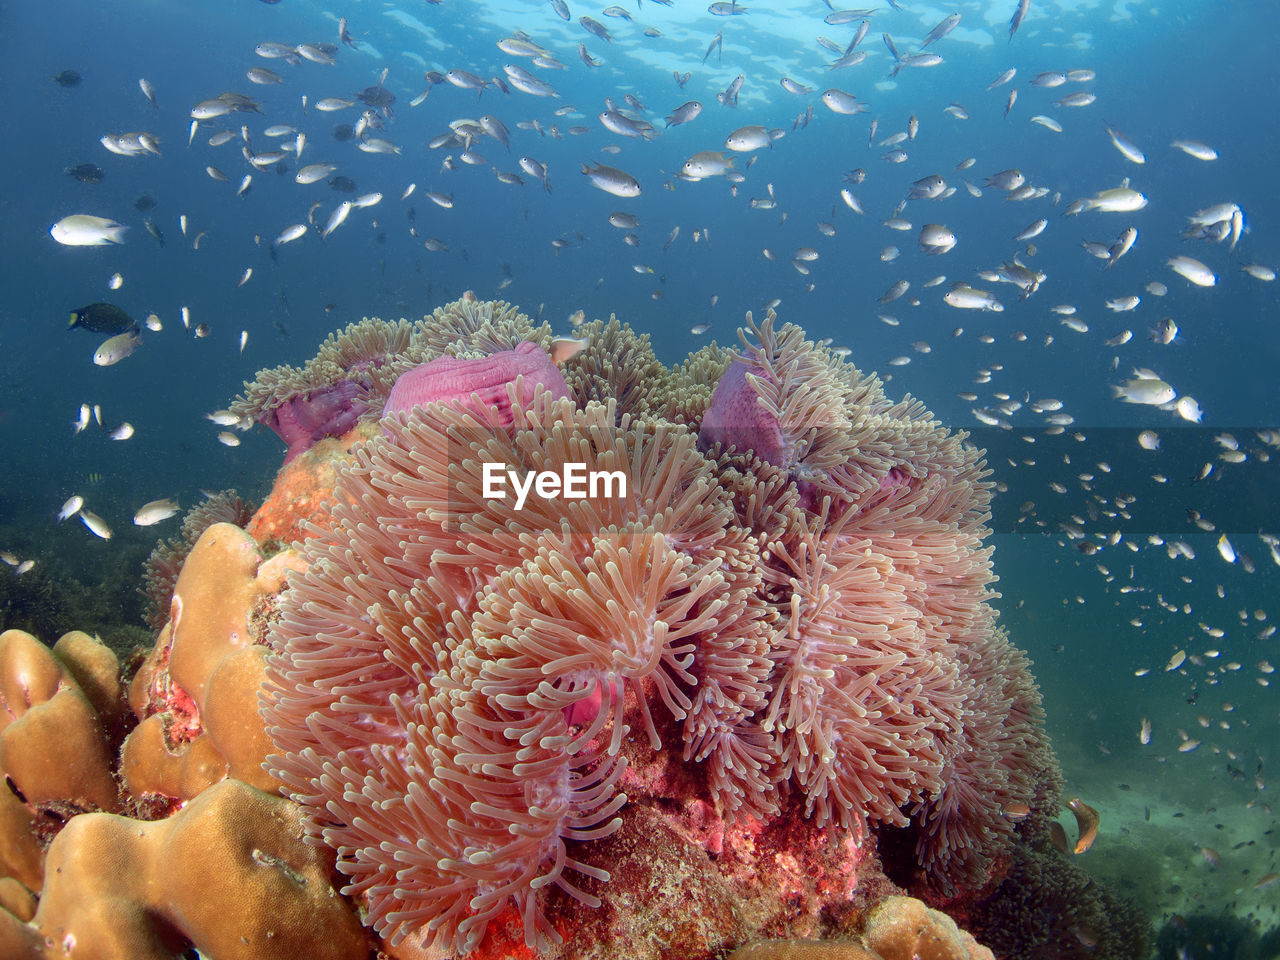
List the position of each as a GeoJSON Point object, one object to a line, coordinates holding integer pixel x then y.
{"type": "Point", "coordinates": [101, 318]}
{"type": "Point", "coordinates": [67, 78]}
{"type": "Point", "coordinates": [86, 172]}
{"type": "Point", "coordinates": [378, 96]}
{"type": "Point", "coordinates": [342, 184]}
{"type": "Point", "coordinates": [144, 203]}
{"type": "Point", "coordinates": [343, 131]}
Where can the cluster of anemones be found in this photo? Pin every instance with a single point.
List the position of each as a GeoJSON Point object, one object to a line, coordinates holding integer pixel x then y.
{"type": "Point", "coordinates": [462, 690]}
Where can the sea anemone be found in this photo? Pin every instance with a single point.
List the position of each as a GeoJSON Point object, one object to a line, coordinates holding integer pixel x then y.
{"type": "Point", "coordinates": [480, 382]}
{"type": "Point", "coordinates": [475, 328]}
{"type": "Point", "coordinates": [1048, 906]}
{"type": "Point", "coordinates": [501, 681]}
{"type": "Point", "coordinates": [845, 711]}
{"type": "Point", "coordinates": [798, 406]}
{"type": "Point", "coordinates": [353, 371]}
{"type": "Point", "coordinates": [503, 655]}
{"type": "Point", "coordinates": [616, 364]}
{"type": "Point", "coordinates": [327, 395]}
{"type": "Point", "coordinates": [690, 385]}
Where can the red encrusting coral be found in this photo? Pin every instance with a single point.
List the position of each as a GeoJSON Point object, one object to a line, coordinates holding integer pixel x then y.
{"type": "Point", "coordinates": [303, 490]}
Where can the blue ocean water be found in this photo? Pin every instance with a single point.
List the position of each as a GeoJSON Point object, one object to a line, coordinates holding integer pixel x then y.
{"type": "Point", "coordinates": [1090, 618]}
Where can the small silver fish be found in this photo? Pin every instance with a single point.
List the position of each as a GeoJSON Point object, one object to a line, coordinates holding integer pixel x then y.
{"type": "Point", "coordinates": [155, 511]}
{"type": "Point", "coordinates": [85, 230]}
{"type": "Point", "coordinates": [97, 526]}
{"type": "Point", "coordinates": [612, 180]}
{"type": "Point", "coordinates": [1149, 390]}
{"type": "Point", "coordinates": [1126, 146]}
{"type": "Point", "coordinates": [289, 234]}
{"type": "Point", "coordinates": [116, 348]}
{"type": "Point", "coordinates": [684, 113]}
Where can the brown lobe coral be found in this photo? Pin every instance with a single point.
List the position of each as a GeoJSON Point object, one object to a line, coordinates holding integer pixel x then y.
{"type": "Point", "coordinates": [123, 888]}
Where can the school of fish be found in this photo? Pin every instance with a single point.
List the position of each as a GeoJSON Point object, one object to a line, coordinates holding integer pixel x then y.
{"type": "Point", "coordinates": [665, 139]}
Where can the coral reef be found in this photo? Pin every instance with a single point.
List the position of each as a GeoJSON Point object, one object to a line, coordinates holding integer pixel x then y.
{"type": "Point", "coordinates": [895, 928]}
{"type": "Point", "coordinates": [42, 601]}
{"type": "Point", "coordinates": [302, 494]}
{"type": "Point", "coordinates": [227, 875]}
{"type": "Point", "coordinates": [70, 589]}
{"type": "Point", "coordinates": [903, 928]}
{"type": "Point", "coordinates": [511, 685]}
{"type": "Point", "coordinates": [1219, 936]}
{"type": "Point", "coordinates": [803, 950]}
{"type": "Point", "coordinates": [674, 717]}
{"type": "Point", "coordinates": [61, 712]}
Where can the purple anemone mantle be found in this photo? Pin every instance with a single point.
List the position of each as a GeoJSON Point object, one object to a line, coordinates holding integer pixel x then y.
{"type": "Point", "coordinates": [308, 418]}
{"type": "Point", "coordinates": [736, 418]}
{"type": "Point", "coordinates": [479, 382]}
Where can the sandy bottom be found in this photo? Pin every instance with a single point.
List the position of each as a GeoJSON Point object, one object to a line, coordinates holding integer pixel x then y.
{"type": "Point", "coordinates": [1179, 833]}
